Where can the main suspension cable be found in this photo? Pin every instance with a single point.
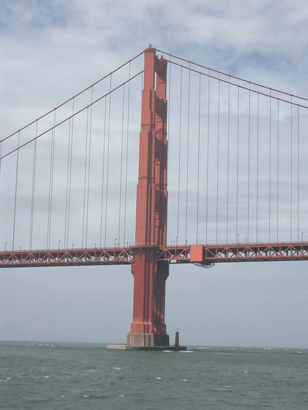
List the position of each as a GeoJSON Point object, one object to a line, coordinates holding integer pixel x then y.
{"type": "Point", "coordinates": [68, 118]}
{"type": "Point", "coordinates": [72, 98]}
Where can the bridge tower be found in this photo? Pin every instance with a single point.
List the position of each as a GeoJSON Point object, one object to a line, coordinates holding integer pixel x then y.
{"type": "Point", "coordinates": [148, 326]}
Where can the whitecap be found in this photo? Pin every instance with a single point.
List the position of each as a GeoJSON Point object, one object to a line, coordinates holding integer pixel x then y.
{"type": "Point", "coordinates": [186, 351]}
{"type": "Point", "coordinates": [8, 378]}
{"type": "Point", "coordinates": [167, 351]}
{"type": "Point", "coordinates": [184, 380]}
{"type": "Point", "coordinates": [116, 368]}
{"type": "Point", "coordinates": [158, 378]}
{"type": "Point", "coordinates": [122, 395]}
{"type": "Point", "coordinates": [299, 352]}
{"type": "Point", "coordinates": [46, 377]}
{"type": "Point", "coordinates": [86, 396]}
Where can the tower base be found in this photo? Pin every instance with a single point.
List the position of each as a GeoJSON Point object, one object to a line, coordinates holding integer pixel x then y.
{"type": "Point", "coordinates": [147, 340]}
{"type": "Point", "coordinates": [148, 348]}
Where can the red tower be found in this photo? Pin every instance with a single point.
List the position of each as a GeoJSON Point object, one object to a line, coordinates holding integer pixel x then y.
{"type": "Point", "coordinates": [148, 326]}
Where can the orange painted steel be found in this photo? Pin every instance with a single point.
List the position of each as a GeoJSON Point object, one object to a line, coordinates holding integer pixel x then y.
{"type": "Point", "coordinates": [65, 257]}
{"type": "Point", "coordinates": [151, 212]}
{"type": "Point", "coordinates": [250, 252]}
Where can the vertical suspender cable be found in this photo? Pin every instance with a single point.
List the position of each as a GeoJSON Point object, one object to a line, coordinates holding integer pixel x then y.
{"type": "Point", "coordinates": [207, 158]}
{"type": "Point", "coordinates": [237, 160]}
{"type": "Point", "coordinates": [85, 181]}
{"type": "Point", "coordinates": [33, 188]}
{"type": "Point", "coordinates": [169, 101]}
{"type": "Point", "coordinates": [257, 196]}
{"type": "Point", "coordinates": [228, 164]}
{"type": "Point", "coordinates": [52, 156]}
{"type": "Point", "coordinates": [291, 164]}
{"type": "Point", "coordinates": [0, 155]}
{"type": "Point", "coordinates": [103, 176]}
{"type": "Point", "coordinates": [187, 154]}
{"type": "Point", "coordinates": [16, 188]}
{"type": "Point", "coordinates": [89, 168]}
{"type": "Point", "coordinates": [70, 174]}
{"type": "Point", "coordinates": [298, 173]}
{"type": "Point", "coordinates": [126, 158]}
{"type": "Point", "coordinates": [270, 170]}
{"type": "Point", "coordinates": [217, 163]}
{"type": "Point", "coordinates": [107, 164]}
{"type": "Point", "coordinates": [168, 120]}
{"type": "Point", "coordinates": [67, 181]}
{"type": "Point", "coordinates": [277, 210]}
{"type": "Point", "coordinates": [179, 167]}
{"type": "Point", "coordinates": [121, 168]}
{"type": "Point", "coordinates": [248, 167]}
{"type": "Point", "coordinates": [68, 177]}
{"type": "Point", "coordinates": [198, 153]}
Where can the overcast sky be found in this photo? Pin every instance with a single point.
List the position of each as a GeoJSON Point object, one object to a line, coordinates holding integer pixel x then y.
{"type": "Point", "coordinates": [52, 50]}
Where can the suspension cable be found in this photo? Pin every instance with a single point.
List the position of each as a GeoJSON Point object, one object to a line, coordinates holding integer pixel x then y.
{"type": "Point", "coordinates": [298, 196]}
{"type": "Point", "coordinates": [237, 161]}
{"type": "Point", "coordinates": [16, 189]}
{"type": "Point", "coordinates": [126, 158]}
{"type": "Point", "coordinates": [248, 166]}
{"type": "Point", "coordinates": [227, 75]}
{"type": "Point", "coordinates": [89, 168]}
{"type": "Point", "coordinates": [257, 196]}
{"type": "Point", "coordinates": [33, 189]}
{"type": "Point", "coordinates": [207, 158]}
{"type": "Point", "coordinates": [187, 156]}
{"type": "Point", "coordinates": [76, 95]}
{"type": "Point", "coordinates": [277, 205]}
{"type": "Point", "coordinates": [228, 164]}
{"type": "Point", "coordinates": [0, 156]}
{"type": "Point", "coordinates": [73, 115]}
{"type": "Point", "coordinates": [198, 167]}
{"type": "Point", "coordinates": [85, 181]}
{"type": "Point", "coordinates": [107, 172]}
{"type": "Point", "coordinates": [121, 167]}
{"type": "Point", "coordinates": [217, 161]}
{"type": "Point", "coordinates": [51, 170]}
{"type": "Point", "coordinates": [291, 182]}
{"type": "Point", "coordinates": [179, 167]}
{"type": "Point", "coordinates": [103, 174]}
{"type": "Point", "coordinates": [270, 172]}
{"type": "Point", "coordinates": [70, 176]}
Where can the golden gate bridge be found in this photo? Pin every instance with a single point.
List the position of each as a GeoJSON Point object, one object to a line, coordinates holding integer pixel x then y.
{"type": "Point", "coordinates": [222, 164]}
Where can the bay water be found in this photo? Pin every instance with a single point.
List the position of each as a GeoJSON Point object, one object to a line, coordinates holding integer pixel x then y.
{"type": "Point", "coordinates": [47, 375]}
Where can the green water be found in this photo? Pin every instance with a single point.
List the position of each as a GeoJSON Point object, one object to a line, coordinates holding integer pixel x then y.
{"type": "Point", "coordinates": [79, 376]}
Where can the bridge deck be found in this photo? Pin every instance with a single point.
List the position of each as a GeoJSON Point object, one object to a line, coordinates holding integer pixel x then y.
{"type": "Point", "coordinates": [198, 254]}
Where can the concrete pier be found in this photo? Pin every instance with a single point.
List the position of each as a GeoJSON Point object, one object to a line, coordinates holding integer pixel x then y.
{"type": "Point", "coordinates": [147, 348]}
{"type": "Point", "coordinates": [149, 342]}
